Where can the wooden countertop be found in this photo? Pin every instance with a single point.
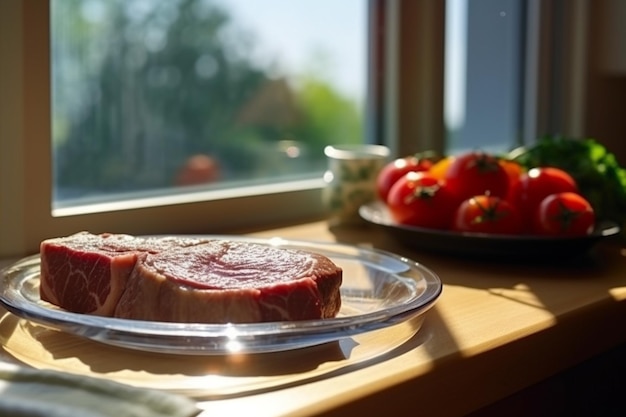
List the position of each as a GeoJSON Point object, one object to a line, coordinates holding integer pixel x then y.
{"type": "Point", "coordinates": [497, 328]}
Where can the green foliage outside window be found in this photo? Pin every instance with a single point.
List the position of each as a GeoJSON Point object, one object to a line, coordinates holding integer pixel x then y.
{"type": "Point", "coordinates": [136, 92]}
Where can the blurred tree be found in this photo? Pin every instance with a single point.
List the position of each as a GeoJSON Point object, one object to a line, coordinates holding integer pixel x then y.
{"type": "Point", "coordinates": [139, 90]}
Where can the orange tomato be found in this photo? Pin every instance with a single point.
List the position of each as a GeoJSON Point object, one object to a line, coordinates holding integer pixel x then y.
{"type": "Point", "coordinates": [439, 168]}
{"type": "Point", "coordinates": [513, 169]}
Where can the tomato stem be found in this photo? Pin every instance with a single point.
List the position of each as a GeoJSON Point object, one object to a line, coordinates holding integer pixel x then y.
{"type": "Point", "coordinates": [422, 192]}
{"type": "Point", "coordinates": [490, 213]}
{"type": "Point", "coordinates": [566, 216]}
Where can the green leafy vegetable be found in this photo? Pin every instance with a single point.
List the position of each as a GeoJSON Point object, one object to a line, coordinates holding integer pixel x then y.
{"type": "Point", "coordinates": [599, 176]}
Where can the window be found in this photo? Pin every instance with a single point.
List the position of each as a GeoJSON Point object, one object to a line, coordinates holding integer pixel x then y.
{"type": "Point", "coordinates": [484, 74]}
{"type": "Point", "coordinates": [166, 97]}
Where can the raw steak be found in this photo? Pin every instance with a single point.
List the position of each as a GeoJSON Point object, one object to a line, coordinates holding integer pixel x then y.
{"type": "Point", "coordinates": [187, 280]}
{"type": "Point", "coordinates": [87, 273]}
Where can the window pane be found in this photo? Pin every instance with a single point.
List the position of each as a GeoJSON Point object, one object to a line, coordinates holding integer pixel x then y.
{"type": "Point", "coordinates": [484, 74]}
{"type": "Point", "coordinates": [164, 96]}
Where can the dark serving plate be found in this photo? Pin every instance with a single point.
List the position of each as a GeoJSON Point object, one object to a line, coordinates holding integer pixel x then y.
{"type": "Point", "coordinates": [505, 247]}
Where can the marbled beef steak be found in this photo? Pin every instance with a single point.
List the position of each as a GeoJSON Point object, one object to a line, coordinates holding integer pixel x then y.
{"type": "Point", "coordinates": [187, 279]}
{"type": "Point", "coordinates": [87, 273]}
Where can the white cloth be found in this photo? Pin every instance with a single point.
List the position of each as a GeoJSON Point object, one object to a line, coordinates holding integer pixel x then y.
{"type": "Point", "coordinates": [31, 392]}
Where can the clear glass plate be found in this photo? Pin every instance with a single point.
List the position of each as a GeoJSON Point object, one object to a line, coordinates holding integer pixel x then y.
{"type": "Point", "coordinates": [379, 290]}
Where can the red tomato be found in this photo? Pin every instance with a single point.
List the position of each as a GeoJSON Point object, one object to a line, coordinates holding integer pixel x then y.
{"type": "Point", "coordinates": [564, 214]}
{"type": "Point", "coordinates": [396, 169]}
{"type": "Point", "coordinates": [419, 199]}
{"type": "Point", "coordinates": [537, 184]}
{"type": "Point", "coordinates": [477, 173]}
{"type": "Point", "coordinates": [487, 214]}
